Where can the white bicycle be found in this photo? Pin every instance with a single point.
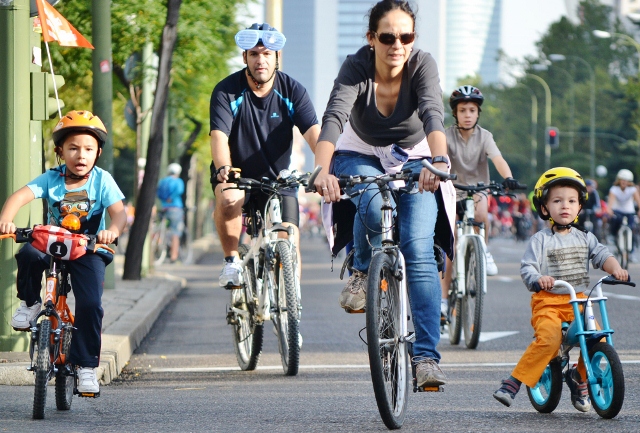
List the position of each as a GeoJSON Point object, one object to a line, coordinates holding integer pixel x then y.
{"type": "Point", "coordinates": [469, 279]}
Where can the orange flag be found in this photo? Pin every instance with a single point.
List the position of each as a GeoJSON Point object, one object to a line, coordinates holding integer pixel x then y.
{"type": "Point", "coordinates": [56, 28]}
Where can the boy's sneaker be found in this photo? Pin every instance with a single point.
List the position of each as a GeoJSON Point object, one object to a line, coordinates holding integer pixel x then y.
{"type": "Point", "coordinates": [428, 372]}
{"type": "Point", "coordinates": [579, 390]}
{"type": "Point", "coordinates": [492, 269]}
{"type": "Point", "coordinates": [354, 295]}
{"type": "Point", "coordinates": [231, 275]}
{"type": "Point", "coordinates": [507, 392]}
{"type": "Point", "coordinates": [87, 382]}
{"type": "Point", "coordinates": [23, 315]}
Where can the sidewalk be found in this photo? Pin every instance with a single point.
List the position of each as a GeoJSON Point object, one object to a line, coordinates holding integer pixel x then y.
{"type": "Point", "coordinates": [130, 310]}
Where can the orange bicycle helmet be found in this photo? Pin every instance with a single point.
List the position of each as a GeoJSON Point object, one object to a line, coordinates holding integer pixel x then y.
{"type": "Point", "coordinates": [80, 121]}
{"type": "Point", "coordinates": [557, 176]}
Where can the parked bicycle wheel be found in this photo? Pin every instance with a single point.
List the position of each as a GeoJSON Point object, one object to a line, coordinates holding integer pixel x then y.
{"type": "Point", "coordinates": [607, 394]}
{"type": "Point", "coordinates": [42, 354]}
{"type": "Point", "coordinates": [185, 254]}
{"type": "Point", "coordinates": [286, 309]}
{"type": "Point", "coordinates": [247, 333]}
{"type": "Point", "coordinates": [455, 314]}
{"type": "Point", "coordinates": [472, 302]}
{"type": "Point", "coordinates": [159, 243]}
{"type": "Point", "coordinates": [65, 380]}
{"type": "Point", "coordinates": [545, 396]}
{"type": "Point", "coordinates": [388, 354]}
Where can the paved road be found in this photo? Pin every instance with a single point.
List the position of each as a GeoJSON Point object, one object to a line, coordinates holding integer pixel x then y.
{"type": "Point", "coordinates": [184, 377]}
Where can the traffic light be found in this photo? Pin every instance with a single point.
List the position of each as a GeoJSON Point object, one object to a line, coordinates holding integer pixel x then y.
{"type": "Point", "coordinates": [43, 95]}
{"type": "Point", "coordinates": [552, 137]}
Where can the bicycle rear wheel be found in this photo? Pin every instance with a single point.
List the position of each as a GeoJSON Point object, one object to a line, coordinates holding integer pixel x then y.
{"type": "Point", "coordinates": [607, 394]}
{"type": "Point", "coordinates": [455, 314]}
{"type": "Point", "coordinates": [64, 380]}
{"type": "Point", "coordinates": [545, 396]}
{"type": "Point", "coordinates": [42, 354]}
{"type": "Point", "coordinates": [622, 250]}
{"type": "Point", "coordinates": [247, 333]}
{"type": "Point", "coordinates": [474, 293]}
{"type": "Point", "coordinates": [286, 314]}
{"type": "Point", "coordinates": [388, 352]}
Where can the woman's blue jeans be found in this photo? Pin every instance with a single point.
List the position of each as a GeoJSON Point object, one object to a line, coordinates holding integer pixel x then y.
{"type": "Point", "coordinates": [416, 219]}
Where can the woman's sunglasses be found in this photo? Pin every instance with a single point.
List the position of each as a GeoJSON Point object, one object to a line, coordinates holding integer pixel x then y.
{"type": "Point", "coordinates": [390, 38]}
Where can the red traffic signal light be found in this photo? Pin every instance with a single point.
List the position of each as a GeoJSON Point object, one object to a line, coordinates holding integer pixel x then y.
{"type": "Point", "coordinates": [552, 137]}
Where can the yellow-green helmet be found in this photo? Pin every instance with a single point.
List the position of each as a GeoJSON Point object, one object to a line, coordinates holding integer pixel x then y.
{"type": "Point", "coordinates": [557, 176]}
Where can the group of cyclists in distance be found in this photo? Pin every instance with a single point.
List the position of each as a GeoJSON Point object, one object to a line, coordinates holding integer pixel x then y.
{"type": "Point", "coordinates": [385, 114]}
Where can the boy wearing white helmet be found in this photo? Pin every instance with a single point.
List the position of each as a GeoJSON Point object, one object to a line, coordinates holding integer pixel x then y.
{"type": "Point", "coordinates": [170, 190]}
{"type": "Point", "coordinates": [622, 197]}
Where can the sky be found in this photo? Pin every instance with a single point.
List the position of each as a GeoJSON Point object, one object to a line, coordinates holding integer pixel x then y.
{"type": "Point", "coordinates": [523, 23]}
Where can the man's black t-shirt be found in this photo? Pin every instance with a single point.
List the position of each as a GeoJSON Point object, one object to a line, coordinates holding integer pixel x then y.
{"type": "Point", "coordinates": [260, 129]}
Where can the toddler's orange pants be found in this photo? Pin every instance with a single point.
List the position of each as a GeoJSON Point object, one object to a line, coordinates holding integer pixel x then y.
{"type": "Point", "coordinates": [548, 311]}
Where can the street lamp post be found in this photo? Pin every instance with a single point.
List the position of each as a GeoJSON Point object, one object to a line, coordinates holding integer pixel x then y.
{"type": "Point", "coordinates": [534, 130]}
{"type": "Point", "coordinates": [592, 106]}
{"type": "Point", "coordinates": [547, 94]}
{"type": "Point", "coordinates": [572, 100]}
{"type": "Point", "coordinates": [604, 35]}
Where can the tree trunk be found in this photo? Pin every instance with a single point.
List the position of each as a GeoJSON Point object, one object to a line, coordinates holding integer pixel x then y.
{"type": "Point", "coordinates": [147, 196]}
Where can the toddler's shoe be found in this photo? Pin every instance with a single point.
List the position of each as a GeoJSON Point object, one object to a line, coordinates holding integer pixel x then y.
{"type": "Point", "coordinates": [23, 315]}
{"type": "Point", "coordinates": [507, 392]}
{"type": "Point", "coordinates": [579, 390]}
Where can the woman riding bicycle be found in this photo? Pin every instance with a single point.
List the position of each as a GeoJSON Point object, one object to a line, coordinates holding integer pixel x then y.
{"type": "Point", "coordinates": [622, 197]}
{"type": "Point", "coordinates": [390, 94]}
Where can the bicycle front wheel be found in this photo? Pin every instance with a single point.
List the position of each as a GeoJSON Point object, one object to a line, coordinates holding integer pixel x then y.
{"type": "Point", "coordinates": [623, 248]}
{"type": "Point", "coordinates": [607, 394]}
{"type": "Point", "coordinates": [43, 368]}
{"type": "Point", "coordinates": [247, 333]}
{"type": "Point", "coordinates": [388, 352]}
{"type": "Point", "coordinates": [64, 380]}
{"type": "Point", "coordinates": [286, 315]}
{"type": "Point", "coordinates": [474, 292]}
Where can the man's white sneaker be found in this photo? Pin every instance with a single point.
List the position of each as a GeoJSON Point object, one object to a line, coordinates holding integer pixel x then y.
{"type": "Point", "coordinates": [492, 269]}
{"type": "Point", "coordinates": [231, 275]}
{"type": "Point", "coordinates": [23, 315]}
{"type": "Point", "coordinates": [87, 382]}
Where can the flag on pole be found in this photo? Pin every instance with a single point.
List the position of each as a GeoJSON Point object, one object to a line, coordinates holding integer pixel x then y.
{"type": "Point", "coordinates": [56, 28]}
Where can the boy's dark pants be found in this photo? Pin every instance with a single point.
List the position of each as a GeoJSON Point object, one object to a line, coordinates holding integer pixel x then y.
{"type": "Point", "coordinates": [87, 280]}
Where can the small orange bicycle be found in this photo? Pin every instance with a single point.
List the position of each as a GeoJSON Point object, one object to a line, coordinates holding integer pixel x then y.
{"type": "Point", "coordinates": [51, 330]}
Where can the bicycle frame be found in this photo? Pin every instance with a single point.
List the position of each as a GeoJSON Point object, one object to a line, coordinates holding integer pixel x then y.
{"type": "Point", "coordinates": [264, 240]}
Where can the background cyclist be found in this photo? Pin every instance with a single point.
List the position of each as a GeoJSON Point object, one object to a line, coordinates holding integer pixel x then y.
{"type": "Point", "coordinates": [470, 148]}
{"type": "Point", "coordinates": [623, 197]}
{"type": "Point", "coordinates": [252, 115]}
{"type": "Point", "coordinates": [170, 190]}
{"type": "Point", "coordinates": [390, 93]}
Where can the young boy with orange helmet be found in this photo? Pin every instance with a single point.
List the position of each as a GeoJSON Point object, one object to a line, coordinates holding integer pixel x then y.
{"type": "Point", "coordinates": [80, 188]}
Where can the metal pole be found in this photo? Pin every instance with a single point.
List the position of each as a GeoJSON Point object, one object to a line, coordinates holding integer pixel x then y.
{"type": "Point", "coordinates": [15, 88]}
{"type": "Point", "coordinates": [547, 94]}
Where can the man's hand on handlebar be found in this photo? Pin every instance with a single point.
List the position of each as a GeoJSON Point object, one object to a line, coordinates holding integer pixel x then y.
{"type": "Point", "coordinates": [226, 172]}
{"type": "Point", "coordinates": [429, 181]}
{"type": "Point", "coordinates": [510, 184]}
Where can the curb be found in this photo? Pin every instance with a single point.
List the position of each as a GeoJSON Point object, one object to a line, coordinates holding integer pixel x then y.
{"type": "Point", "coordinates": [137, 305]}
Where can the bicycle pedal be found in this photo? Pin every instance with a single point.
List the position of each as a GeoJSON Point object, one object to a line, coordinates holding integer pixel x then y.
{"type": "Point", "coordinates": [89, 394]}
{"type": "Point", "coordinates": [22, 329]}
{"type": "Point", "coordinates": [439, 388]}
{"type": "Point", "coordinates": [350, 311]}
{"type": "Point", "coordinates": [230, 287]}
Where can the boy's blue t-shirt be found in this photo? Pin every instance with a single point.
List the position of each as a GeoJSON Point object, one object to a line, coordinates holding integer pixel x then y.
{"type": "Point", "coordinates": [88, 202]}
{"type": "Point", "coordinates": [170, 190]}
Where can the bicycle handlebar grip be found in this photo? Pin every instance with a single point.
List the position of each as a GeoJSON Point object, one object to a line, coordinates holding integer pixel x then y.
{"type": "Point", "coordinates": [611, 280]}
{"type": "Point", "coordinates": [311, 187]}
{"type": "Point", "coordinates": [441, 174]}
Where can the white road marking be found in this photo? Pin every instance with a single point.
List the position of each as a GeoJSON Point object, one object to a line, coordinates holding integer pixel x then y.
{"type": "Point", "coordinates": [505, 279]}
{"type": "Point", "coordinates": [486, 336]}
{"type": "Point", "coordinates": [336, 367]}
{"type": "Point", "coordinates": [617, 296]}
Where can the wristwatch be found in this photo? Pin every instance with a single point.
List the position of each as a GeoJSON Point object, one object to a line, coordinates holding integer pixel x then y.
{"type": "Point", "coordinates": [440, 158]}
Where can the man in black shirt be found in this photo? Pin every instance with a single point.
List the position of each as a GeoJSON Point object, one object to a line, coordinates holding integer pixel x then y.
{"type": "Point", "coordinates": [252, 114]}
